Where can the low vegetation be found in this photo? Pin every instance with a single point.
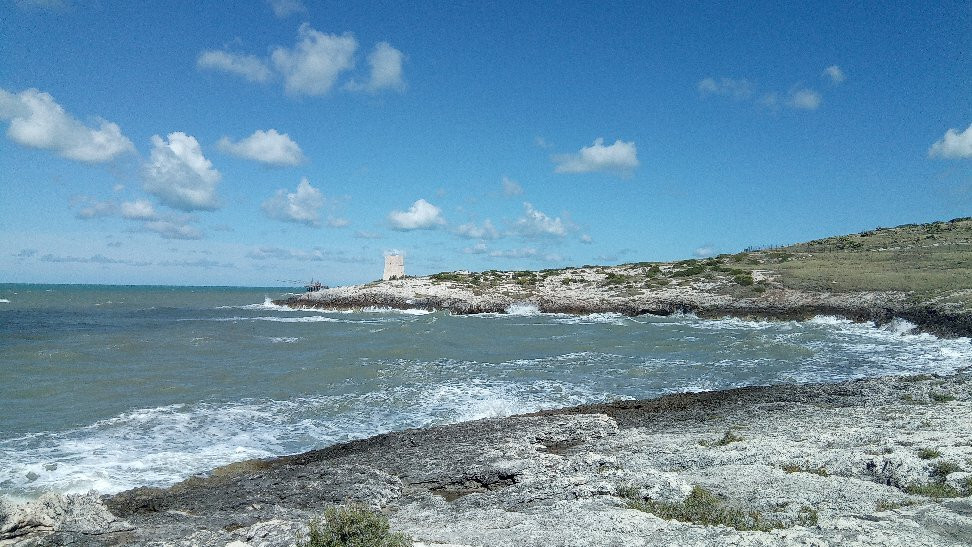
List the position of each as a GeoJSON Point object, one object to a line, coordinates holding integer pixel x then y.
{"type": "Point", "coordinates": [705, 508]}
{"type": "Point", "coordinates": [352, 526]}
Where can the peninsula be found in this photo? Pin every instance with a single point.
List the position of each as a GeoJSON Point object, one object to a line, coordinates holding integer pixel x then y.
{"type": "Point", "coordinates": [917, 272]}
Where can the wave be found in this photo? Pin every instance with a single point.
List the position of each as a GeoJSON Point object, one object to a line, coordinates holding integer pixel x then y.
{"type": "Point", "coordinates": [4, 301]}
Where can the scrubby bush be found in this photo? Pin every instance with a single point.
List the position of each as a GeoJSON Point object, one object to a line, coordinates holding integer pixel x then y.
{"type": "Point", "coordinates": [352, 526]}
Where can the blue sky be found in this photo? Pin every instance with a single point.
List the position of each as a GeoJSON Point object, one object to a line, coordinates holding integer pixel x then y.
{"type": "Point", "coordinates": [267, 142]}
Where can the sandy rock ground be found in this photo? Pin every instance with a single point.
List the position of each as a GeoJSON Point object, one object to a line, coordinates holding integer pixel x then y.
{"type": "Point", "coordinates": [865, 458]}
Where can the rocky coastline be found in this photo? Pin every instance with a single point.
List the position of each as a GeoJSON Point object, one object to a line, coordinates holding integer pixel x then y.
{"type": "Point", "coordinates": [870, 462]}
{"type": "Point", "coordinates": [708, 298]}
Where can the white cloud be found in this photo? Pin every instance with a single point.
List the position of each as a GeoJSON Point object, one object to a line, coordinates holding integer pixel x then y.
{"type": "Point", "coordinates": [536, 223]}
{"type": "Point", "coordinates": [250, 67]}
{"type": "Point", "coordinates": [472, 231]}
{"type": "Point", "coordinates": [179, 175]}
{"type": "Point", "coordinates": [422, 215]}
{"type": "Point", "coordinates": [704, 251]}
{"type": "Point", "coordinates": [37, 121]}
{"type": "Point", "coordinates": [314, 64]}
{"type": "Point", "coordinates": [139, 209]}
{"type": "Point", "coordinates": [620, 158]}
{"type": "Point", "coordinates": [728, 87]}
{"type": "Point", "coordinates": [511, 187]}
{"type": "Point", "coordinates": [584, 238]}
{"type": "Point", "coordinates": [477, 249]}
{"type": "Point", "coordinates": [95, 209]}
{"type": "Point", "coordinates": [302, 206]}
{"type": "Point", "coordinates": [835, 74]}
{"type": "Point", "coordinates": [173, 229]}
{"type": "Point", "coordinates": [526, 252]}
{"type": "Point", "coordinates": [805, 99]}
{"type": "Point", "coordinates": [363, 234]}
{"type": "Point", "coordinates": [268, 146]}
{"type": "Point", "coordinates": [285, 8]}
{"type": "Point", "coordinates": [953, 145]}
{"type": "Point", "coordinates": [386, 70]}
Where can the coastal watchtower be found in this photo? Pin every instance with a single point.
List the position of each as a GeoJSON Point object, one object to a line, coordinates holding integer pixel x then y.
{"type": "Point", "coordinates": [394, 267]}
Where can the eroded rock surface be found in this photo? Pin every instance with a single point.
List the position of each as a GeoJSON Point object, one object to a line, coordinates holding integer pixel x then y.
{"type": "Point", "coordinates": [865, 457]}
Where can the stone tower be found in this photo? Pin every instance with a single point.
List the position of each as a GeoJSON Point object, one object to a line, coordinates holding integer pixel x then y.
{"type": "Point", "coordinates": [394, 267]}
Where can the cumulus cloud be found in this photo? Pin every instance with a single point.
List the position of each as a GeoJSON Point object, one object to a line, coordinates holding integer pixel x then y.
{"type": "Point", "coordinates": [250, 67]}
{"type": "Point", "coordinates": [314, 64]}
{"type": "Point", "coordinates": [728, 87]}
{"type": "Point", "coordinates": [285, 8]}
{"type": "Point", "coordinates": [511, 187]}
{"type": "Point", "coordinates": [835, 74]}
{"type": "Point", "coordinates": [585, 238]}
{"type": "Point", "coordinates": [953, 145]}
{"type": "Point", "coordinates": [268, 146]}
{"type": "Point", "coordinates": [422, 215]}
{"type": "Point", "coordinates": [805, 99]}
{"type": "Point", "coordinates": [37, 121]}
{"type": "Point", "coordinates": [620, 158]}
{"type": "Point", "coordinates": [139, 209]}
{"type": "Point", "coordinates": [472, 231]}
{"type": "Point", "coordinates": [386, 70]}
{"type": "Point", "coordinates": [179, 175]}
{"type": "Point", "coordinates": [535, 223]}
{"type": "Point", "coordinates": [303, 206]}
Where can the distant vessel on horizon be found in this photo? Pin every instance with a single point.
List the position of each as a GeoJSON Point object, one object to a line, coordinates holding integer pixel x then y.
{"type": "Point", "coordinates": [315, 286]}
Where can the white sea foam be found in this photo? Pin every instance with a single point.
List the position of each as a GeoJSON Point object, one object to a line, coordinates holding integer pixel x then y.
{"type": "Point", "coordinates": [523, 309]}
{"type": "Point", "coordinates": [285, 339]}
{"type": "Point", "coordinates": [593, 319]}
{"type": "Point", "coordinates": [4, 301]}
{"type": "Point", "coordinates": [406, 311]}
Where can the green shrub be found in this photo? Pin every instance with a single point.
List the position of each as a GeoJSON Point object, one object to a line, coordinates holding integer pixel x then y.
{"type": "Point", "coordinates": [928, 453]}
{"type": "Point", "coordinates": [729, 437]}
{"type": "Point", "coordinates": [352, 526]}
{"type": "Point", "coordinates": [941, 397]}
{"type": "Point", "coordinates": [745, 279]}
{"type": "Point", "coordinates": [703, 507]}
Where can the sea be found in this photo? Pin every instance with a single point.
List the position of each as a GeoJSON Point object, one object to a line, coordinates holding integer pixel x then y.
{"type": "Point", "coordinates": [107, 388]}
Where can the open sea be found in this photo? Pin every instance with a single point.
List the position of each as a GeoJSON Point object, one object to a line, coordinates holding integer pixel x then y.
{"type": "Point", "coordinates": [112, 387]}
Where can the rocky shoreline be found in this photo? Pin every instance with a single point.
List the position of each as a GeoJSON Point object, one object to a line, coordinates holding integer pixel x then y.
{"type": "Point", "coordinates": [874, 462]}
{"type": "Point", "coordinates": [588, 293]}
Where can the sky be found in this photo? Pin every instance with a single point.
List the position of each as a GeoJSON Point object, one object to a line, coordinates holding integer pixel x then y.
{"type": "Point", "coordinates": [266, 143]}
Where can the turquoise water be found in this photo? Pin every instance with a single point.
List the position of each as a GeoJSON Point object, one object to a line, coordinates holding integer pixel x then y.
{"type": "Point", "coordinates": [108, 388]}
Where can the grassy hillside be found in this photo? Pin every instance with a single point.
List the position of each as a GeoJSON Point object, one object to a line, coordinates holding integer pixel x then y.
{"type": "Point", "coordinates": [931, 262]}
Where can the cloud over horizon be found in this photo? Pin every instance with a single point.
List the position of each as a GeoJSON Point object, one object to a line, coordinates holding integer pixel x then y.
{"type": "Point", "coordinates": [179, 175]}
{"type": "Point", "coordinates": [269, 147]}
{"type": "Point", "coordinates": [536, 223]}
{"type": "Point", "coordinates": [422, 215]}
{"type": "Point", "coordinates": [620, 158]}
{"type": "Point", "coordinates": [38, 121]}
